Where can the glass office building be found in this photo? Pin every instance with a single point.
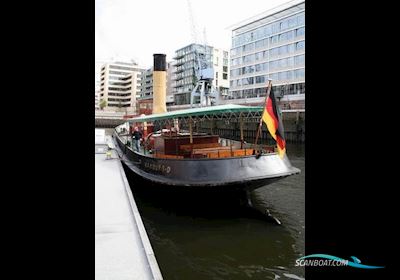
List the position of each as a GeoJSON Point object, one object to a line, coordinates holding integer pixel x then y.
{"type": "Point", "coordinates": [185, 76]}
{"type": "Point", "coordinates": [271, 46]}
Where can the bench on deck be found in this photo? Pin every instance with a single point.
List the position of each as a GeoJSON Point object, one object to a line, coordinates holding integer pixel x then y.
{"type": "Point", "coordinates": [189, 147]}
{"type": "Point", "coordinates": [207, 150]}
{"type": "Point", "coordinates": [223, 152]}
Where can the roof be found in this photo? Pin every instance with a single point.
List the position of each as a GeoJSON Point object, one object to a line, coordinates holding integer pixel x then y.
{"type": "Point", "coordinates": [211, 112]}
{"type": "Point", "coordinates": [271, 13]}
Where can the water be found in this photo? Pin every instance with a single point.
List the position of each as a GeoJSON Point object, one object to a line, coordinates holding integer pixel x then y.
{"type": "Point", "coordinates": [213, 235]}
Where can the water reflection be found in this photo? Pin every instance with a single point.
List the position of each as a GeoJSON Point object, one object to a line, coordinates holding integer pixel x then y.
{"type": "Point", "coordinates": [214, 235]}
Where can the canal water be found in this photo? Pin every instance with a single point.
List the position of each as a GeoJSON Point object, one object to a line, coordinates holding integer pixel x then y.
{"type": "Point", "coordinates": [213, 235]}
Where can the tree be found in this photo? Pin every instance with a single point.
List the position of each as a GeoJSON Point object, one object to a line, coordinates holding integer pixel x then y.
{"type": "Point", "coordinates": [102, 104]}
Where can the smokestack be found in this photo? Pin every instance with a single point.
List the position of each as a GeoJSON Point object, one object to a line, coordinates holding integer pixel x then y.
{"type": "Point", "coordinates": [159, 84]}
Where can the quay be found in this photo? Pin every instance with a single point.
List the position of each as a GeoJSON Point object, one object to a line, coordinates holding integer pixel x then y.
{"type": "Point", "coordinates": [122, 247]}
{"type": "Point", "coordinates": [104, 119]}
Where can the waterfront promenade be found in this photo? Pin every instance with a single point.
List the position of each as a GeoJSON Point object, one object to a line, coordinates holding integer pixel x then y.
{"type": "Point", "coordinates": [122, 247]}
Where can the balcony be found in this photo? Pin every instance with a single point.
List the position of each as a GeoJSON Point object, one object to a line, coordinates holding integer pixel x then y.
{"type": "Point", "coordinates": [179, 70]}
{"type": "Point", "coordinates": [179, 63]}
{"type": "Point", "coordinates": [178, 56]}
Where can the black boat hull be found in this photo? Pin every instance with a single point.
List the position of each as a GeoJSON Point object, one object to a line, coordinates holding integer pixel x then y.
{"type": "Point", "coordinates": [249, 172]}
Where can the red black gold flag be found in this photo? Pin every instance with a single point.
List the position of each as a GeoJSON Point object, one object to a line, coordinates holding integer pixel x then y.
{"type": "Point", "coordinates": [272, 119]}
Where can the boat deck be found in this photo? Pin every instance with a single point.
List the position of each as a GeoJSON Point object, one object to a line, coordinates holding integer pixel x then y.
{"type": "Point", "coordinates": [122, 247]}
{"type": "Point", "coordinates": [223, 149]}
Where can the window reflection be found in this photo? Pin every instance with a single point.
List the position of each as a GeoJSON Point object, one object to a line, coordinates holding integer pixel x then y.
{"type": "Point", "coordinates": [252, 48]}
{"type": "Point", "coordinates": [300, 45]}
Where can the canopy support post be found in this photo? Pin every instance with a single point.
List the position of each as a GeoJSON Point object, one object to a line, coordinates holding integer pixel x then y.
{"type": "Point", "coordinates": [241, 131]}
{"type": "Point", "coordinates": [191, 136]}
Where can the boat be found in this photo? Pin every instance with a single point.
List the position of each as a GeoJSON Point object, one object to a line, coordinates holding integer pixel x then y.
{"type": "Point", "coordinates": [175, 154]}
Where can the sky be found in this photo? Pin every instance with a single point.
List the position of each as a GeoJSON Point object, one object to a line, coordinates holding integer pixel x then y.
{"type": "Point", "coordinates": [136, 29]}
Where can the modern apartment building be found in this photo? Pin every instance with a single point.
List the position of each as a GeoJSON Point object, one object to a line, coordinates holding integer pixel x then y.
{"type": "Point", "coordinates": [185, 76]}
{"type": "Point", "coordinates": [97, 100]}
{"type": "Point", "coordinates": [146, 89]}
{"type": "Point", "coordinates": [269, 46]}
{"type": "Point", "coordinates": [97, 94]}
{"type": "Point", "coordinates": [120, 84]}
{"type": "Point", "coordinates": [170, 83]}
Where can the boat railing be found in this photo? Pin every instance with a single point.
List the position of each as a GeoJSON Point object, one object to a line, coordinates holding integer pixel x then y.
{"type": "Point", "coordinates": [214, 152]}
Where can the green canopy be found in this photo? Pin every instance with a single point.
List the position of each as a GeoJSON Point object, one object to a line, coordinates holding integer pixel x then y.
{"type": "Point", "coordinates": [212, 112]}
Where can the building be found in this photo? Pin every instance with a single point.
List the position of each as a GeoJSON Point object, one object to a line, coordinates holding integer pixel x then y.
{"type": "Point", "coordinates": [97, 100]}
{"type": "Point", "coordinates": [144, 104]}
{"type": "Point", "coordinates": [185, 76]}
{"type": "Point", "coordinates": [147, 83]}
{"type": "Point", "coordinates": [97, 94]}
{"type": "Point", "coordinates": [170, 83]}
{"type": "Point", "coordinates": [120, 85]}
{"type": "Point", "coordinates": [270, 46]}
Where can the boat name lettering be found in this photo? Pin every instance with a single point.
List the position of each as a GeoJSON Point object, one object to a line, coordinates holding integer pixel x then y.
{"type": "Point", "coordinates": [158, 167]}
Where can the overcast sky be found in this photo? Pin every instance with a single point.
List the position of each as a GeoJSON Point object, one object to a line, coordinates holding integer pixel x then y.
{"type": "Point", "coordinates": [135, 29]}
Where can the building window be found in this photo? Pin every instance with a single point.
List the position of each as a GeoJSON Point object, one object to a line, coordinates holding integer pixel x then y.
{"type": "Point", "coordinates": [248, 47]}
{"type": "Point", "coordinates": [274, 76]}
{"type": "Point", "coordinates": [267, 30]}
{"type": "Point", "coordinates": [261, 67]}
{"type": "Point", "coordinates": [247, 69]}
{"type": "Point", "coordinates": [261, 79]}
{"type": "Point", "coordinates": [248, 93]}
{"type": "Point", "coordinates": [283, 37]}
{"type": "Point", "coordinates": [275, 27]}
{"type": "Point", "coordinates": [292, 21]}
{"type": "Point", "coordinates": [248, 81]}
{"type": "Point", "coordinates": [300, 31]}
{"type": "Point", "coordinates": [236, 51]}
{"type": "Point", "coordinates": [299, 73]}
{"type": "Point", "coordinates": [119, 73]}
{"type": "Point", "coordinates": [299, 60]}
{"type": "Point", "coordinates": [300, 45]}
{"type": "Point", "coordinates": [284, 25]}
{"type": "Point", "coordinates": [224, 76]}
{"type": "Point", "coordinates": [260, 91]}
{"type": "Point", "coordinates": [261, 43]}
{"type": "Point", "coordinates": [274, 52]}
{"type": "Point", "coordinates": [248, 58]}
{"type": "Point", "coordinates": [300, 19]}
{"type": "Point", "coordinates": [236, 61]}
{"type": "Point", "coordinates": [283, 49]}
{"type": "Point", "coordinates": [122, 68]}
{"type": "Point", "coordinates": [282, 76]}
{"type": "Point", "coordinates": [119, 89]}
{"type": "Point", "coordinates": [261, 55]}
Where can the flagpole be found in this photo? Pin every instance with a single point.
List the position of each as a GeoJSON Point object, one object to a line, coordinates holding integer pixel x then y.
{"type": "Point", "coordinates": [265, 103]}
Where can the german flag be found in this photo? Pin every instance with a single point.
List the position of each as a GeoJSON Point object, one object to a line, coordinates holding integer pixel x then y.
{"type": "Point", "coordinates": [272, 119]}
